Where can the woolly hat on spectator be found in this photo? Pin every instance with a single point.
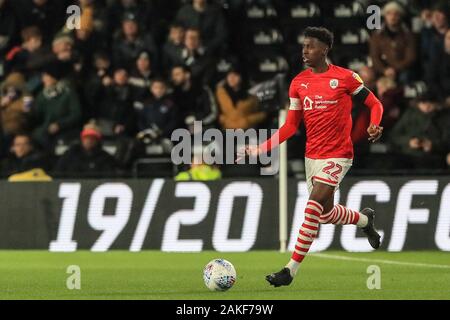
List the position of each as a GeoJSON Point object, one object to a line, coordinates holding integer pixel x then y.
{"type": "Point", "coordinates": [55, 69]}
{"type": "Point", "coordinates": [427, 97]}
{"type": "Point", "coordinates": [393, 6]}
{"type": "Point", "coordinates": [129, 16]}
{"type": "Point", "coordinates": [144, 54]}
{"type": "Point", "coordinates": [443, 7]}
{"type": "Point", "coordinates": [62, 37]}
{"type": "Point", "coordinates": [91, 130]}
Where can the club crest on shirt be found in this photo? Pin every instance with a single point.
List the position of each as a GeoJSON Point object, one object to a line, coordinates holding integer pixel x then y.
{"type": "Point", "coordinates": [334, 83]}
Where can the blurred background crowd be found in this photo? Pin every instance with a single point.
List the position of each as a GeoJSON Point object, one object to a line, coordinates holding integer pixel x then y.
{"type": "Point", "coordinates": [102, 100]}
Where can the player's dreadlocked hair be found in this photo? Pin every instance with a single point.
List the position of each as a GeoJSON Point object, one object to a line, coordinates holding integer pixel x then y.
{"type": "Point", "coordinates": [322, 34]}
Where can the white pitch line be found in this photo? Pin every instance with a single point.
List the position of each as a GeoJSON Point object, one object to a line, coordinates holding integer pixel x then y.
{"type": "Point", "coordinates": [413, 264]}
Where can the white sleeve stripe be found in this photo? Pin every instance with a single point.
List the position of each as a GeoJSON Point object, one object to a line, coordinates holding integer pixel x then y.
{"type": "Point", "coordinates": [358, 89]}
{"type": "Point", "coordinates": [295, 104]}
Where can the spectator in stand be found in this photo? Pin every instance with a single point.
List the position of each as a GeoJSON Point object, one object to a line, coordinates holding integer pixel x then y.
{"type": "Point", "coordinates": [416, 136]}
{"type": "Point", "coordinates": [56, 113]}
{"type": "Point", "coordinates": [361, 115]}
{"type": "Point", "coordinates": [14, 106]}
{"type": "Point", "coordinates": [114, 114]}
{"type": "Point", "coordinates": [24, 156]}
{"type": "Point", "coordinates": [86, 159]}
{"type": "Point", "coordinates": [62, 46]}
{"type": "Point", "coordinates": [368, 76]}
{"type": "Point", "coordinates": [157, 114]}
{"type": "Point", "coordinates": [97, 12]}
{"type": "Point", "coordinates": [195, 57]}
{"type": "Point", "coordinates": [9, 31]}
{"type": "Point", "coordinates": [174, 46]}
{"type": "Point", "coordinates": [131, 41]}
{"type": "Point", "coordinates": [195, 101]}
{"type": "Point", "coordinates": [94, 88]}
{"type": "Point", "coordinates": [65, 56]}
{"type": "Point", "coordinates": [141, 76]}
{"type": "Point", "coordinates": [439, 75]}
{"type": "Point", "coordinates": [209, 20]}
{"type": "Point", "coordinates": [87, 39]}
{"type": "Point", "coordinates": [199, 171]}
{"type": "Point", "coordinates": [443, 125]}
{"type": "Point", "coordinates": [432, 38]}
{"type": "Point", "coordinates": [391, 96]}
{"type": "Point", "coordinates": [30, 55]}
{"type": "Point", "coordinates": [239, 109]}
{"type": "Point", "coordinates": [48, 15]}
{"type": "Point", "coordinates": [141, 10]}
{"type": "Point", "coordinates": [393, 48]}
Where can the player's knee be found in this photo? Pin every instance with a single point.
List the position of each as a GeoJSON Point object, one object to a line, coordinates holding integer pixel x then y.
{"type": "Point", "coordinates": [327, 217]}
{"type": "Point", "coordinates": [322, 193]}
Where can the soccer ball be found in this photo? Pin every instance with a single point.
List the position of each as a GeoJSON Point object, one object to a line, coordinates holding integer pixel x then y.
{"type": "Point", "coordinates": [219, 275]}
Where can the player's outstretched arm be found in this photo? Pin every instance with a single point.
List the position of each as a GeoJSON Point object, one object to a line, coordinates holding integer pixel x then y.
{"type": "Point", "coordinates": [286, 131]}
{"type": "Point", "coordinates": [376, 112]}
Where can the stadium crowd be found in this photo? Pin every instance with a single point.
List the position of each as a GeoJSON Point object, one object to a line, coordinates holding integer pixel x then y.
{"type": "Point", "coordinates": [90, 101]}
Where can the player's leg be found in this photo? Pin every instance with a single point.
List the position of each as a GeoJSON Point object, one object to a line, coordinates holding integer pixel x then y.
{"type": "Point", "coordinates": [341, 215]}
{"type": "Point", "coordinates": [320, 196]}
{"type": "Point", "coordinates": [320, 200]}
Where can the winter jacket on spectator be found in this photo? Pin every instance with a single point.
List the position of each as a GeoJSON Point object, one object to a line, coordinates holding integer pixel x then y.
{"type": "Point", "coordinates": [438, 77]}
{"type": "Point", "coordinates": [9, 28]}
{"type": "Point", "coordinates": [443, 126]}
{"type": "Point", "coordinates": [93, 88]}
{"type": "Point", "coordinates": [171, 54]}
{"type": "Point", "coordinates": [197, 102]}
{"type": "Point", "coordinates": [23, 157]}
{"type": "Point", "coordinates": [389, 49]}
{"type": "Point", "coordinates": [140, 83]}
{"type": "Point", "coordinates": [415, 124]}
{"type": "Point", "coordinates": [160, 114]}
{"type": "Point", "coordinates": [28, 63]}
{"type": "Point", "coordinates": [125, 52]}
{"type": "Point", "coordinates": [201, 65]}
{"type": "Point", "coordinates": [141, 76]}
{"type": "Point", "coordinates": [49, 16]}
{"type": "Point", "coordinates": [432, 37]}
{"type": "Point", "coordinates": [239, 110]}
{"type": "Point", "coordinates": [12, 105]}
{"type": "Point", "coordinates": [391, 96]}
{"type": "Point", "coordinates": [78, 162]}
{"type": "Point", "coordinates": [12, 165]}
{"type": "Point", "coordinates": [210, 22]}
{"type": "Point", "coordinates": [115, 110]}
{"type": "Point", "coordinates": [58, 104]}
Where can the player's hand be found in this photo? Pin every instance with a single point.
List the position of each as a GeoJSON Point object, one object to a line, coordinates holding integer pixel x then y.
{"type": "Point", "coordinates": [390, 72]}
{"type": "Point", "coordinates": [374, 132]}
{"type": "Point", "coordinates": [414, 143]}
{"type": "Point", "coordinates": [53, 128]}
{"type": "Point", "coordinates": [251, 151]}
{"type": "Point", "coordinates": [427, 145]}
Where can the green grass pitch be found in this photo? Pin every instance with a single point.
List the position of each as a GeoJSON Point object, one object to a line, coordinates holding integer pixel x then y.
{"type": "Point", "coordinates": [158, 275]}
